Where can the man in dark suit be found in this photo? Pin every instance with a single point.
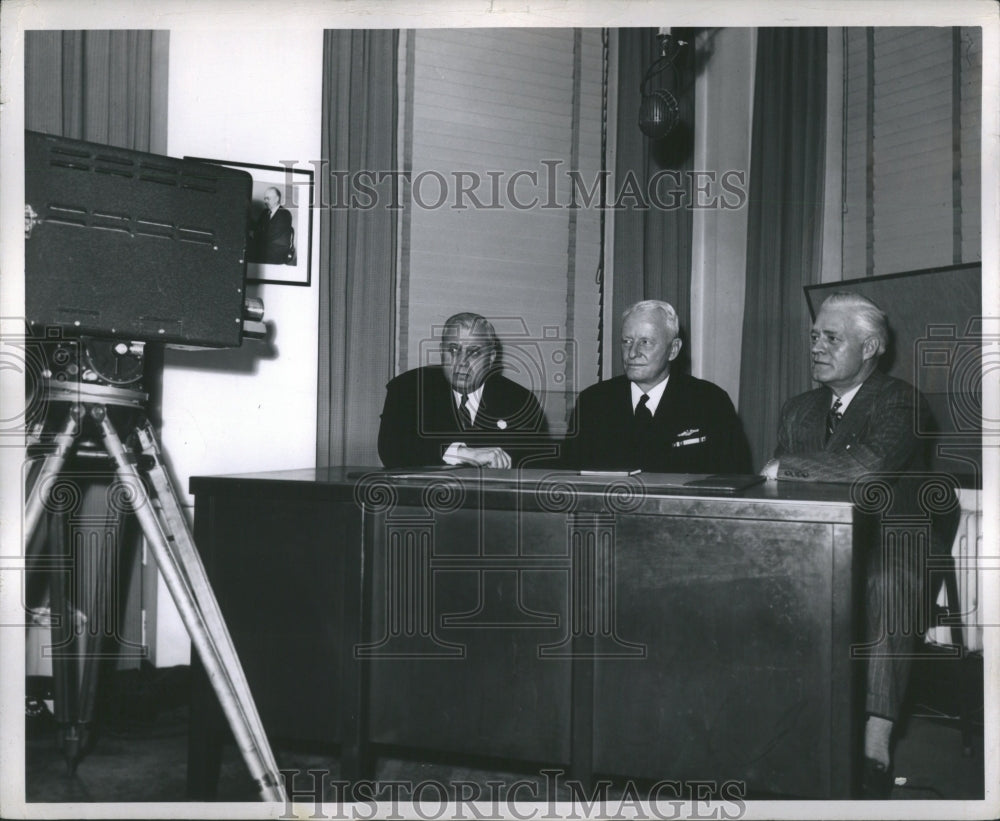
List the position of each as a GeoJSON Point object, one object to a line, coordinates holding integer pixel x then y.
{"type": "Point", "coordinates": [651, 419]}
{"type": "Point", "coordinates": [272, 233]}
{"type": "Point", "coordinates": [463, 411]}
{"type": "Point", "coordinates": [860, 421]}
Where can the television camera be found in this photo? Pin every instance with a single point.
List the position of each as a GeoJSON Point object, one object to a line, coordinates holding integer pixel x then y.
{"type": "Point", "coordinates": [124, 249]}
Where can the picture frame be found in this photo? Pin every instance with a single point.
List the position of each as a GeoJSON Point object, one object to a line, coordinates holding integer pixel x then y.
{"type": "Point", "coordinates": [279, 249]}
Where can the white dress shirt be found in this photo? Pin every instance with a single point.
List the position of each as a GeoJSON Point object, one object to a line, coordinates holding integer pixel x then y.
{"type": "Point", "coordinates": [655, 394]}
{"type": "Point", "coordinates": [472, 406]}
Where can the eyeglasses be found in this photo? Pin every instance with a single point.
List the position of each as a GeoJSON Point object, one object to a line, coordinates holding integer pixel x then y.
{"type": "Point", "coordinates": [454, 350]}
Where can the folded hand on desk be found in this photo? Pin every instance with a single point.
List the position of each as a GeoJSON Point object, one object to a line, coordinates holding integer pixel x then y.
{"type": "Point", "coordinates": [483, 457]}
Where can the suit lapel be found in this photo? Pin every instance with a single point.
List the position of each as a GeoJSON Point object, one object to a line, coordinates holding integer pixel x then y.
{"type": "Point", "coordinates": [484, 415]}
{"type": "Point", "coordinates": [624, 398]}
{"type": "Point", "coordinates": [672, 402]}
{"type": "Point", "coordinates": [668, 400]}
{"type": "Point", "coordinates": [439, 403]}
{"type": "Point", "coordinates": [491, 405]}
{"type": "Point", "coordinates": [812, 423]}
{"type": "Point", "coordinates": [857, 412]}
{"type": "Point", "coordinates": [666, 410]}
{"type": "Point", "coordinates": [614, 414]}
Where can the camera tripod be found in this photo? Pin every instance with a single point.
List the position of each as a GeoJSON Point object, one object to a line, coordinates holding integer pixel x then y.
{"type": "Point", "coordinates": [150, 494]}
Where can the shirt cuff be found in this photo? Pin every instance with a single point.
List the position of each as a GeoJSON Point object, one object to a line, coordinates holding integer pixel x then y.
{"type": "Point", "coordinates": [451, 455]}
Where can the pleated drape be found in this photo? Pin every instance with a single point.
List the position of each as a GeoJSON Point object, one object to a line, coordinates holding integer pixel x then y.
{"type": "Point", "coordinates": [103, 86]}
{"type": "Point", "coordinates": [785, 222]}
{"type": "Point", "coordinates": [357, 261]}
{"type": "Point", "coordinates": [652, 256]}
{"type": "Point", "coordinates": [106, 87]}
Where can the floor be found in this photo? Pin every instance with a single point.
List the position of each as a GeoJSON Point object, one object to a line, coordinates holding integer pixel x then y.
{"type": "Point", "coordinates": [141, 751]}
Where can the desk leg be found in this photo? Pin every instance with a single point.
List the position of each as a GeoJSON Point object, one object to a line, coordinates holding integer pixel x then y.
{"type": "Point", "coordinates": [969, 700]}
{"type": "Point", "coordinates": [355, 763]}
{"type": "Point", "coordinates": [846, 696]}
{"type": "Point", "coordinates": [582, 713]}
{"type": "Point", "coordinates": [206, 735]}
{"type": "Point", "coordinates": [355, 757]}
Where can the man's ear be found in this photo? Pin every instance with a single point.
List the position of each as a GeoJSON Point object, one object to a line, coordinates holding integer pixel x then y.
{"type": "Point", "coordinates": [869, 348]}
{"type": "Point", "coordinates": [675, 348]}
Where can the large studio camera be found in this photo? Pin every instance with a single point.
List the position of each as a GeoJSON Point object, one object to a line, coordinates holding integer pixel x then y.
{"type": "Point", "coordinates": [124, 248]}
{"type": "Point", "coordinates": [137, 247]}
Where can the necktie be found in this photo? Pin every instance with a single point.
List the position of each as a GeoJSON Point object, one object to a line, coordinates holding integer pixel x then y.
{"type": "Point", "coordinates": [642, 413]}
{"type": "Point", "coordinates": [833, 418]}
{"type": "Point", "coordinates": [463, 412]}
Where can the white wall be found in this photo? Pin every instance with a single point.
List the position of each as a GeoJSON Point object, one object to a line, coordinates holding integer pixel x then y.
{"type": "Point", "coordinates": [248, 97]}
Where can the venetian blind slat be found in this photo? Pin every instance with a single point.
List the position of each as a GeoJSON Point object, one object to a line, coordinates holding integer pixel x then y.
{"type": "Point", "coordinates": [500, 102]}
{"type": "Point", "coordinates": [912, 146]}
{"type": "Point", "coordinates": [971, 76]}
{"type": "Point", "coordinates": [854, 182]}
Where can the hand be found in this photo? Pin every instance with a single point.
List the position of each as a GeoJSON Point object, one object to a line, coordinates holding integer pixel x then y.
{"type": "Point", "coordinates": [484, 457]}
{"type": "Point", "coordinates": [770, 470]}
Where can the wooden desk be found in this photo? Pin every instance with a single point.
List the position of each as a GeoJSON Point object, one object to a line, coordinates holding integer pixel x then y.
{"type": "Point", "coordinates": [605, 626]}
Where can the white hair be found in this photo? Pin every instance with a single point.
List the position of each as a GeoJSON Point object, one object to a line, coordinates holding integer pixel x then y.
{"type": "Point", "coordinates": [664, 309]}
{"type": "Point", "coordinates": [869, 318]}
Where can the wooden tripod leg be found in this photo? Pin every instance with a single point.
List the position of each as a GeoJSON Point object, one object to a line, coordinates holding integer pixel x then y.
{"type": "Point", "coordinates": [67, 655]}
{"type": "Point", "coordinates": [173, 547]}
{"type": "Point", "coordinates": [64, 658]}
{"type": "Point", "coordinates": [197, 580]}
{"type": "Point", "coordinates": [52, 465]}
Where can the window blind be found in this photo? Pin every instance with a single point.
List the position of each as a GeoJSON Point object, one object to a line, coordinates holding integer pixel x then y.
{"type": "Point", "coordinates": [911, 148]}
{"type": "Point", "coordinates": [495, 121]}
{"type": "Point", "coordinates": [970, 66]}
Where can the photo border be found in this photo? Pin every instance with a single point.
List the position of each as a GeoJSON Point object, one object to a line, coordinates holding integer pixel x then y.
{"type": "Point", "coordinates": [265, 273]}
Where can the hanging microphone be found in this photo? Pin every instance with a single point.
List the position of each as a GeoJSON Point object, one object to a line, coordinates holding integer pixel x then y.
{"type": "Point", "coordinates": [659, 110]}
{"type": "Point", "coordinates": [658, 113]}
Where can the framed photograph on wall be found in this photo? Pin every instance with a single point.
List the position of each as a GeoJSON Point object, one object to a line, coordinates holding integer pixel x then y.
{"type": "Point", "coordinates": [279, 222]}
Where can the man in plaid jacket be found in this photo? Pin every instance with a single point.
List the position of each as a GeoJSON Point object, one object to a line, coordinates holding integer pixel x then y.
{"type": "Point", "coordinates": [858, 422]}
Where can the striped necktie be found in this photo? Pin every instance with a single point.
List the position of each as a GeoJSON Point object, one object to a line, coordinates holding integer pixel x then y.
{"type": "Point", "coordinates": [833, 417]}
{"type": "Point", "coordinates": [463, 412]}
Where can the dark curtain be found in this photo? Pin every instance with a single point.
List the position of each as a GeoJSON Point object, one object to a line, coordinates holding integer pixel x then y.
{"type": "Point", "coordinates": [652, 255]}
{"type": "Point", "coordinates": [103, 86]}
{"type": "Point", "coordinates": [785, 223]}
{"type": "Point", "coordinates": [106, 87]}
{"type": "Point", "coordinates": [357, 245]}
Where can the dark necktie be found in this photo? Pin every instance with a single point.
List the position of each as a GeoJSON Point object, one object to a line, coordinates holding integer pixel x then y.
{"type": "Point", "coordinates": [643, 416]}
{"type": "Point", "coordinates": [463, 412]}
{"type": "Point", "coordinates": [833, 418]}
